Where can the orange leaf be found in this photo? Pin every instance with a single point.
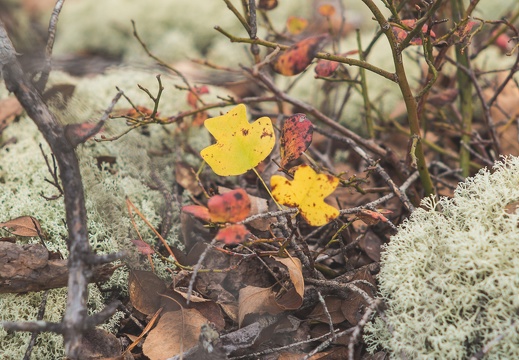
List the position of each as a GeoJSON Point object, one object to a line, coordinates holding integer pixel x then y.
{"type": "Point", "coordinates": [296, 137]}
{"type": "Point", "coordinates": [307, 192]}
{"type": "Point", "coordinates": [233, 234]}
{"type": "Point", "coordinates": [233, 206]}
{"type": "Point", "coordinates": [240, 146]}
{"type": "Point", "coordinates": [267, 4]}
{"type": "Point", "coordinates": [296, 25]}
{"type": "Point", "coordinates": [326, 10]}
{"type": "Point", "coordinates": [23, 226]}
{"type": "Point", "coordinates": [296, 59]}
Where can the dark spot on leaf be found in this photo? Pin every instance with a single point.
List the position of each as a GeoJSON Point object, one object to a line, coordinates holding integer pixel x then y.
{"type": "Point", "coordinates": [245, 132]}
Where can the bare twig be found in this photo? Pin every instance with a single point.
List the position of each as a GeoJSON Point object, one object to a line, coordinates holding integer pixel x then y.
{"type": "Point", "coordinates": [53, 22]}
{"type": "Point", "coordinates": [39, 317]}
{"type": "Point", "coordinates": [481, 354]}
{"type": "Point", "coordinates": [76, 319]}
{"type": "Point", "coordinates": [360, 326]}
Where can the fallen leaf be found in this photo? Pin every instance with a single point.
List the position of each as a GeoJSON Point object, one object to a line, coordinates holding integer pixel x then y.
{"type": "Point", "coordinates": [293, 298]}
{"type": "Point", "coordinates": [296, 25]}
{"type": "Point", "coordinates": [142, 247]}
{"type": "Point", "coordinates": [371, 244]}
{"type": "Point", "coordinates": [79, 133]}
{"type": "Point", "coordinates": [333, 305]}
{"type": "Point", "coordinates": [23, 226]}
{"type": "Point", "coordinates": [198, 211]}
{"type": "Point", "coordinates": [233, 234]}
{"type": "Point", "coordinates": [144, 288]}
{"type": "Point", "coordinates": [99, 344]}
{"type": "Point", "coordinates": [258, 206]}
{"type": "Point", "coordinates": [307, 192]}
{"type": "Point", "coordinates": [296, 137]}
{"type": "Point", "coordinates": [256, 300]}
{"type": "Point", "coordinates": [9, 109]}
{"type": "Point", "coordinates": [232, 206]}
{"type": "Point", "coordinates": [176, 332]}
{"type": "Point", "coordinates": [354, 304]}
{"type": "Point", "coordinates": [240, 146]}
{"type": "Point", "coordinates": [296, 59]}
{"type": "Point", "coordinates": [185, 177]}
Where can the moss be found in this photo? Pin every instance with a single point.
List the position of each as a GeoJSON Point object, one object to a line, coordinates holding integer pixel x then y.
{"type": "Point", "coordinates": [450, 276]}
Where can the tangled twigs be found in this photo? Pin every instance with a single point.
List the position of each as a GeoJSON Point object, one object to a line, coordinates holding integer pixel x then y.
{"type": "Point", "coordinates": [81, 258]}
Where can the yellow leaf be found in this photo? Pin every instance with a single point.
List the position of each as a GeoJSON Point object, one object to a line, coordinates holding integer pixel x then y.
{"type": "Point", "coordinates": [240, 146]}
{"type": "Point", "coordinates": [307, 192]}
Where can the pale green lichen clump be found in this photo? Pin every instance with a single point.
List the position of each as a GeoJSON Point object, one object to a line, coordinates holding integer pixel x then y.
{"type": "Point", "coordinates": [450, 276]}
{"type": "Point", "coordinates": [22, 178]}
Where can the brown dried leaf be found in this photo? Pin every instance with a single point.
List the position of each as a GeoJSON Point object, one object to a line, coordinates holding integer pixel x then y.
{"type": "Point", "coordinates": [372, 245]}
{"type": "Point", "coordinates": [23, 226]}
{"type": "Point", "coordinates": [176, 332]}
{"type": "Point", "coordinates": [9, 109]}
{"type": "Point", "coordinates": [293, 298]}
{"type": "Point", "coordinates": [511, 208]}
{"type": "Point", "coordinates": [354, 305]}
{"type": "Point", "coordinates": [333, 304]}
{"type": "Point", "coordinates": [144, 288]}
{"type": "Point", "coordinates": [256, 300]}
{"type": "Point", "coordinates": [99, 344]}
{"type": "Point", "coordinates": [186, 178]}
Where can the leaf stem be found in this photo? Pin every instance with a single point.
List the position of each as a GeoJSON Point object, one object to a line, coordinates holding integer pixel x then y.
{"type": "Point", "coordinates": [407, 94]}
{"type": "Point", "coordinates": [465, 93]}
{"type": "Point", "coordinates": [267, 188]}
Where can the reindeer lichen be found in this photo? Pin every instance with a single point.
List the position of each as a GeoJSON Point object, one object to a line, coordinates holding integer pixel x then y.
{"type": "Point", "coordinates": [450, 276]}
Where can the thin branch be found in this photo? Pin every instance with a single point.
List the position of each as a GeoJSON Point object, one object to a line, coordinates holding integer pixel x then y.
{"type": "Point", "coordinates": [53, 22]}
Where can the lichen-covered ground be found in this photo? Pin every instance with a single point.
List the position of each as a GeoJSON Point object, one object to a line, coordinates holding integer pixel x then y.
{"type": "Point", "coordinates": [443, 286]}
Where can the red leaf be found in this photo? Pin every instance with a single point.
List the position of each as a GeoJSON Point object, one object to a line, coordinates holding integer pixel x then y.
{"type": "Point", "coordinates": [373, 217]}
{"type": "Point", "coordinates": [233, 206]}
{"type": "Point", "coordinates": [401, 34]}
{"type": "Point", "coordinates": [296, 59]}
{"type": "Point", "coordinates": [296, 137]}
{"type": "Point", "coordinates": [233, 234]}
{"type": "Point", "coordinates": [143, 247]}
{"type": "Point", "coordinates": [326, 68]}
{"type": "Point", "coordinates": [197, 211]}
